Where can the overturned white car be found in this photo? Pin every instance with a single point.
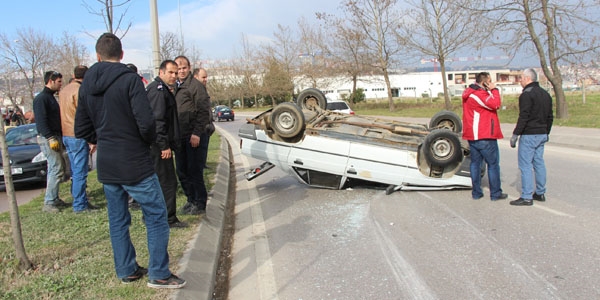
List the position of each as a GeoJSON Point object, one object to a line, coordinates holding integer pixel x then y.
{"type": "Point", "coordinates": [327, 149]}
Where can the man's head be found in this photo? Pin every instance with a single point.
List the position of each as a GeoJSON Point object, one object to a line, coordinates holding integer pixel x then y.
{"type": "Point", "coordinates": [201, 75]}
{"type": "Point", "coordinates": [53, 80]}
{"type": "Point", "coordinates": [482, 77]}
{"type": "Point", "coordinates": [183, 67]}
{"type": "Point", "coordinates": [109, 48]}
{"type": "Point", "coordinates": [168, 72]}
{"type": "Point", "coordinates": [528, 76]}
{"type": "Point", "coordinates": [79, 71]}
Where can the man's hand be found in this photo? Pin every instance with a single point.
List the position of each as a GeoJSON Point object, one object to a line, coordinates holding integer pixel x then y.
{"type": "Point", "coordinates": [210, 129]}
{"type": "Point", "coordinates": [166, 154]}
{"type": "Point", "coordinates": [513, 140]}
{"type": "Point", "coordinates": [92, 148]}
{"type": "Point", "coordinates": [194, 141]}
{"type": "Point", "coordinates": [54, 144]}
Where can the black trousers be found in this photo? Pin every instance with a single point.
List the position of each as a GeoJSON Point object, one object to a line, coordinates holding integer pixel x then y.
{"type": "Point", "coordinates": [165, 169]}
{"type": "Point", "coordinates": [190, 163]}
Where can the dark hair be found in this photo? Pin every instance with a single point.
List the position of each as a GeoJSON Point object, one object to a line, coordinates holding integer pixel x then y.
{"type": "Point", "coordinates": [183, 57]}
{"type": "Point", "coordinates": [50, 76]}
{"type": "Point", "coordinates": [132, 67]}
{"type": "Point", "coordinates": [79, 71]}
{"type": "Point", "coordinates": [165, 63]}
{"type": "Point", "coordinates": [109, 47]}
{"type": "Point", "coordinates": [481, 76]}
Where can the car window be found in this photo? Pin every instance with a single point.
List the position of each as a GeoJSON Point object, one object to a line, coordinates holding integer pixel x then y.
{"type": "Point", "coordinates": [337, 106]}
{"type": "Point", "coordinates": [21, 135]}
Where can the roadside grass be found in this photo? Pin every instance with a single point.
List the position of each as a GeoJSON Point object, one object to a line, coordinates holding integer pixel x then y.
{"type": "Point", "coordinates": [580, 114]}
{"type": "Point", "coordinates": [72, 254]}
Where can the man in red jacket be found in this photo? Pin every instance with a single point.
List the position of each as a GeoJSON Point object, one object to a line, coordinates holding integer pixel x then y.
{"type": "Point", "coordinates": [481, 128]}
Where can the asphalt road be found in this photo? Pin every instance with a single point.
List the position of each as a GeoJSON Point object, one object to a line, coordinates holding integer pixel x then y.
{"type": "Point", "coordinates": [297, 242]}
{"type": "Point", "coordinates": [24, 194]}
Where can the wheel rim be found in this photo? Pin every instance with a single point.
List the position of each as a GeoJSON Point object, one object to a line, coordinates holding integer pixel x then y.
{"type": "Point", "coordinates": [311, 102]}
{"type": "Point", "coordinates": [286, 121]}
{"type": "Point", "coordinates": [441, 148]}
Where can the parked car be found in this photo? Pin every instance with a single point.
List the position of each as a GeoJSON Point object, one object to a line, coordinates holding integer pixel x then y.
{"type": "Point", "coordinates": [223, 112]}
{"type": "Point", "coordinates": [327, 149]}
{"type": "Point", "coordinates": [339, 106]}
{"type": "Point", "coordinates": [28, 162]}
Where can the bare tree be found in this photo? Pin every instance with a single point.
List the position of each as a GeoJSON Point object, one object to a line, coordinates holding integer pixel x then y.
{"type": "Point", "coordinates": [439, 29]}
{"type": "Point", "coordinates": [378, 21]}
{"type": "Point", "coordinates": [248, 69]}
{"type": "Point", "coordinates": [280, 57]}
{"type": "Point", "coordinates": [170, 46]}
{"type": "Point", "coordinates": [106, 10]}
{"type": "Point", "coordinates": [30, 54]}
{"type": "Point", "coordinates": [70, 54]}
{"type": "Point", "coordinates": [559, 32]}
{"type": "Point", "coordinates": [347, 54]}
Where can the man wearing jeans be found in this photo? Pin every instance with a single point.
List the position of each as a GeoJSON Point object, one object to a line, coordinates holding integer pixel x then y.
{"type": "Point", "coordinates": [533, 126]}
{"type": "Point", "coordinates": [47, 112]}
{"type": "Point", "coordinates": [77, 149]}
{"type": "Point", "coordinates": [481, 127]}
{"type": "Point", "coordinates": [114, 113]}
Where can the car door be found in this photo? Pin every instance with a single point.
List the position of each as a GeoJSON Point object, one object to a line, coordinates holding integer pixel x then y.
{"type": "Point", "coordinates": [320, 161]}
{"type": "Point", "coordinates": [377, 163]}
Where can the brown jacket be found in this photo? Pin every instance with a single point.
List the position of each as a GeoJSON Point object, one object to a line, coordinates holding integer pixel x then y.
{"type": "Point", "coordinates": [68, 97]}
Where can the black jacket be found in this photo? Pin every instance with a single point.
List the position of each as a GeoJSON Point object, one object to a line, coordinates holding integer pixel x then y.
{"type": "Point", "coordinates": [114, 112]}
{"type": "Point", "coordinates": [535, 111]}
{"type": "Point", "coordinates": [47, 114]}
{"type": "Point", "coordinates": [193, 107]}
{"type": "Point", "coordinates": [164, 107]}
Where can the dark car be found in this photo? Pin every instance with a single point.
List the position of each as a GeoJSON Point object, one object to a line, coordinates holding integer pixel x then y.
{"type": "Point", "coordinates": [223, 112]}
{"type": "Point", "coordinates": [28, 162]}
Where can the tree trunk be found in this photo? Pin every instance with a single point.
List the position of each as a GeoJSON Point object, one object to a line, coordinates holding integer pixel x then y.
{"type": "Point", "coordinates": [388, 86]}
{"type": "Point", "coordinates": [15, 221]}
{"type": "Point", "coordinates": [447, 101]}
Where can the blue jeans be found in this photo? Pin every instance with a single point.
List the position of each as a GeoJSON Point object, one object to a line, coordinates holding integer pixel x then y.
{"type": "Point", "coordinates": [55, 165]}
{"type": "Point", "coordinates": [149, 195]}
{"type": "Point", "coordinates": [485, 150]}
{"type": "Point", "coordinates": [78, 151]}
{"type": "Point", "coordinates": [531, 160]}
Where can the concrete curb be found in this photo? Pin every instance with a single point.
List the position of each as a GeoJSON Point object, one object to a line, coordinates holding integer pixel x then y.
{"type": "Point", "coordinates": [199, 263]}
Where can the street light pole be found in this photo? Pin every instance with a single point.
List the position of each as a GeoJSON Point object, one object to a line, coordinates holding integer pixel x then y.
{"type": "Point", "coordinates": [155, 38]}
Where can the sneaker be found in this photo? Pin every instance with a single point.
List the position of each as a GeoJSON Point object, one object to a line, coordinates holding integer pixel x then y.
{"type": "Point", "coordinates": [540, 198]}
{"type": "Point", "coordinates": [194, 210]}
{"type": "Point", "coordinates": [186, 207]}
{"type": "Point", "coordinates": [501, 197]}
{"type": "Point", "coordinates": [178, 224]}
{"type": "Point", "coordinates": [139, 273]}
{"type": "Point", "coordinates": [60, 203]}
{"type": "Point", "coordinates": [522, 202]}
{"type": "Point", "coordinates": [171, 282]}
{"type": "Point", "coordinates": [89, 209]}
{"type": "Point", "coordinates": [51, 208]}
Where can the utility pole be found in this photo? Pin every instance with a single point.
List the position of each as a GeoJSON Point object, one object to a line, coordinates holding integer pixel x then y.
{"type": "Point", "coordinates": [155, 38]}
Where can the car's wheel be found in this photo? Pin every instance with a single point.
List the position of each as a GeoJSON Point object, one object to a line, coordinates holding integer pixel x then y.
{"type": "Point", "coordinates": [446, 119]}
{"type": "Point", "coordinates": [287, 120]}
{"type": "Point", "coordinates": [309, 98]}
{"type": "Point", "coordinates": [442, 148]}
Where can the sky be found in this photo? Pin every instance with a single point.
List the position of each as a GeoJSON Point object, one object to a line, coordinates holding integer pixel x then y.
{"type": "Point", "coordinates": [214, 26]}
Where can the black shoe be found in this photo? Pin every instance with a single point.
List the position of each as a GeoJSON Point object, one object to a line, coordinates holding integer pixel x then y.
{"type": "Point", "coordinates": [540, 198]}
{"type": "Point", "coordinates": [171, 282]}
{"type": "Point", "coordinates": [134, 206]}
{"type": "Point", "coordinates": [178, 224]}
{"type": "Point", "coordinates": [89, 209]}
{"type": "Point", "coordinates": [502, 197]}
{"type": "Point", "coordinates": [522, 202]}
{"type": "Point", "coordinates": [60, 203]}
{"type": "Point", "coordinates": [138, 274]}
{"type": "Point", "coordinates": [185, 208]}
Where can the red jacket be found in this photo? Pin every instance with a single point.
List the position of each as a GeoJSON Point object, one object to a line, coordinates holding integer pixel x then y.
{"type": "Point", "coordinates": [480, 119]}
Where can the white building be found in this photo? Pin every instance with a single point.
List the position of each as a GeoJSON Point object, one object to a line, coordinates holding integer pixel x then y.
{"type": "Point", "coordinates": [414, 85]}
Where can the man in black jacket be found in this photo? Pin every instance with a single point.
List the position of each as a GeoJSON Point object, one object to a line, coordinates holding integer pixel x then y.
{"type": "Point", "coordinates": [114, 113]}
{"type": "Point", "coordinates": [533, 126]}
{"type": "Point", "coordinates": [162, 101]}
{"type": "Point", "coordinates": [193, 107]}
{"type": "Point", "coordinates": [47, 112]}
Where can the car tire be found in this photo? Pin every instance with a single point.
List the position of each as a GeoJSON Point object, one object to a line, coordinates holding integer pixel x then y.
{"type": "Point", "coordinates": [287, 120]}
{"type": "Point", "coordinates": [442, 148]}
{"type": "Point", "coordinates": [446, 119]}
{"type": "Point", "coordinates": [309, 98]}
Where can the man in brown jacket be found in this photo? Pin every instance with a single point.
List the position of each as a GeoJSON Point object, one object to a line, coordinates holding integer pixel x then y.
{"type": "Point", "coordinates": [77, 149]}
